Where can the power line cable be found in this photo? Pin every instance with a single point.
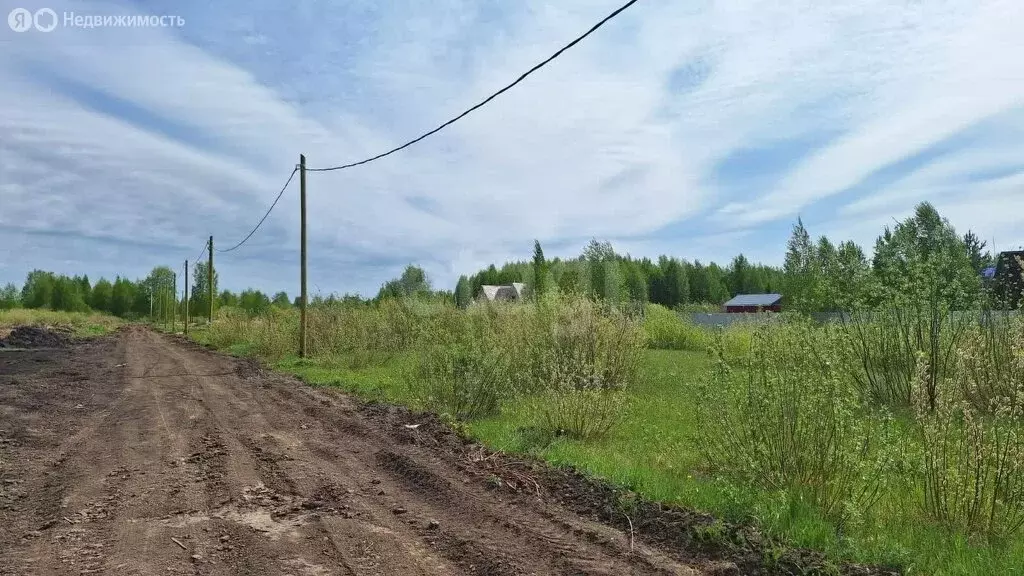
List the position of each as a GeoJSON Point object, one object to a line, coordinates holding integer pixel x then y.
{"type": "Point", "coordinates": [269, 210]}
{"type": "Point", "coordinates": [486, 100]}
{"type": "Point", "coordinates": [206, 245]}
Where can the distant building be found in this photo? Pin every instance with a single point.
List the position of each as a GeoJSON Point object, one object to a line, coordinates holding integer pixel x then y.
{"type": "Point", "coordinates": [753, 303]}
{"type": "Point", "coordinates": [514, 292]}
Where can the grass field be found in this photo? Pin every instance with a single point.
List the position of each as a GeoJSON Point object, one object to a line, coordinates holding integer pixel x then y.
{"type": "Point", "coordinates": [82, 324]}
{"type": "Point", "coordinates": [654, 449]}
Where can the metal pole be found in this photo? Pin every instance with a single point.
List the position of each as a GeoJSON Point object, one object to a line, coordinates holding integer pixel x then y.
{"type": "Point", "coordinates": [302, 264]}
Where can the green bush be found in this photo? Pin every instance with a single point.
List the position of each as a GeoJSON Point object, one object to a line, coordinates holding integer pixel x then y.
{"type": "Point", "coordinates": [786, 418]}
{"type": "Point", "coordinates": [584, 358]}
{"type": "Point", "coordinates": [272, 334]}
{"type": "Point", "coordinates": [462, 372]}
{"type": "Point", "coordinates": [971, 431]}
{"type": "Point", "coordinates": [665, 329]}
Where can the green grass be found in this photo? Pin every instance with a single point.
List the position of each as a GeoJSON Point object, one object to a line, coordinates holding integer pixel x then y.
{"type": "Point", "coordinates": [653, 452]}
{"type": "Point", "coordinates": [82, 324]}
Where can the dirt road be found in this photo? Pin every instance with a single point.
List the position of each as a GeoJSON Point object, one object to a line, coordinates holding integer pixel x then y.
{"type": "Point", "coordinates": [141, 454]}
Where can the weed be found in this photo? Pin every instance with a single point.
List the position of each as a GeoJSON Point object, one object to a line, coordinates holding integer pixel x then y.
{"type": "Point", "coordinates": [971, 431]}
{"type": "Point", "coordinates": [786, 419]}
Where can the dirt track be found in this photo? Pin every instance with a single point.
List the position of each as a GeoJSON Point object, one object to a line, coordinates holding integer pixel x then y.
{"type": "Point", "coordinates": [141, 454]}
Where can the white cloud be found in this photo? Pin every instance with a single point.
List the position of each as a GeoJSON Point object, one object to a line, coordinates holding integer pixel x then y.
{"type": "Point", "coordinates": [593, 145]}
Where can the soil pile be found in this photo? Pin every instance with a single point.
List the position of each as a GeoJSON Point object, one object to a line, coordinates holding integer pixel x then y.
{"type": "Point", "coordinates": [35, 337]}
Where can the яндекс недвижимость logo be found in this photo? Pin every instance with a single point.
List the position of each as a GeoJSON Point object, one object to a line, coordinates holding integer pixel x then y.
{"type": "Point", "coordinates": [22, 20]}
{"type": "Point", "coordinates": [47, 19]}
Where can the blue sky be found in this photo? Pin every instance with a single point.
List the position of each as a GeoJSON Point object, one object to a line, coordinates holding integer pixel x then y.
{"type": "Point", "coordinates": [697, 129]}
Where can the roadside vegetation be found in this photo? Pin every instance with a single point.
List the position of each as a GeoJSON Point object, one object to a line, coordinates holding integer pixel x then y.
{"type": "Point", "coordinates": [80, 324]}
{"type": "Point", "coordinates": [891, 435]}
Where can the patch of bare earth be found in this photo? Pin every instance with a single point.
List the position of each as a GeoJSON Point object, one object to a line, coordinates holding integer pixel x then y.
{"type": "Point", "coordinates": [139, 454]}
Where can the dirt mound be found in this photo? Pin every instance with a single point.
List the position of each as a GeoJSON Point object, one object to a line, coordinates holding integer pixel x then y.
{"type": "Point", "coordinates": [36, 337]}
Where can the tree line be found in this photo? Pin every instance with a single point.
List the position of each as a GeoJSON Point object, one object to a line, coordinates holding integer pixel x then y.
{"type": "Point", "coordinates": [158, 295]}
{"type": "Point", "coordinates": [921, 257]}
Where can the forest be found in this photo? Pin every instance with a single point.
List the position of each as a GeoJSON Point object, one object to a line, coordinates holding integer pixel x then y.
{"type": "Point", "coordinates": [820, 275]}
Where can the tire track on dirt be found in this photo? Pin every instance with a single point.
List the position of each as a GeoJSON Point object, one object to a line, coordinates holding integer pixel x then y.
{"type": "Point", "coordinates": [203, 464]}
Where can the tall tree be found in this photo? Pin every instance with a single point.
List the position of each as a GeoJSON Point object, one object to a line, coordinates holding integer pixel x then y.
{"type": "Point", "coordinates": [574, 278]}
{"type": "Point", "coordinates": [700, 288]}
{"type": "Point", "coordinates": [38, 289]}
{"type": "Point", "coordinates": [10, 297]}
{"type": "Point", "coordinates": [718, 291]}
{"type": "Point", "coordinates": [463, 293]}
{"type": "Point", "coordinates": [923, 259]}
{"type": "Point", "coordinates": [254, 302]}
{"type": "Point", "coordinates": [413, 282]}
{"type": "Point", "coordinates": [596, 255]}
{"type": "Point", "coordinates": [200, 299]}
{"type": "Point", "coordinates": [855, 279]}
{"type": "Point", "coordinates": [675, 282]}
{"type": "Point", "coordinates": [122, 297]}
{"type": "Point", "coordinates": [102, 296]}
{"type": "Point", "coordinates": [227, 298]}
{"type": "Point", "coordinates": [636, 282]}
{"type": "Point", "coordinates": [800, 270]}
{"type": "Point", "coordinates": [281, 300]}
{"type": "Point", "coordinates": [540, 271]}
{"type": "Point", "coordinates": [980, 258]}
{"type": "Point", "coordinates": [741, 277]}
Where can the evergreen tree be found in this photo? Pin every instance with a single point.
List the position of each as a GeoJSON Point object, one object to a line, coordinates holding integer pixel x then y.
{"type": "Point", "coordinates": [463, 295]}
{"type": "Point", "coordinates": [799, 269]}
{"type": "Point", "coordinates": [540, 271]}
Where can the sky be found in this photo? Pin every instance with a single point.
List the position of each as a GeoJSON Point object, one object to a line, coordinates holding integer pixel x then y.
{"type": "Point", "coordinates": [699, 129]}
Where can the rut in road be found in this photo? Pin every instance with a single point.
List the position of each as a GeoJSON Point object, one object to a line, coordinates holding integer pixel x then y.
{"type": "Point", "coordinates": [140, 454]}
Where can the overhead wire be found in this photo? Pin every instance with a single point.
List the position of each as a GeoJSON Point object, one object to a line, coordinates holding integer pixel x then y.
{"type": "Point", "coordinates": [269, 210]}
{"type": "Point", "coordinates": [483, 102]}
{"type": "Point", "coordinates": [206, 246]}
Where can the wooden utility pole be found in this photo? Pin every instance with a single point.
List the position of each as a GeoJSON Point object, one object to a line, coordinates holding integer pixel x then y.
{"type": "Point", "coordinates": [302, 263]}
{"type": "Point", "coordinates": [186, 297]}
{"type": "Point", "coordinates": [174, 305]}
{"type": "Point", "coordinates": [209, 280]}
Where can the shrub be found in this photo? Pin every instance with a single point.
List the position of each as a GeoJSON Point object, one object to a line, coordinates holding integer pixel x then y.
{"type": "Point", "coordinates": [272, 334]}
{"type": "Point", "coordinates": [971, 432]}
{"type": "Point", "coordinates": [665, 329]}
{"type": "Point", "coordinates": [583, 359]}
{"type": "Point", "coordinates": [578, 413]}
{"type": "Point", "coordinates": [82, 323]}
{"type": "Point", "coordinates": [786, 419]}
{"type": "Point", "coordinates": [463, 373]}
{"type": "Point", "coordinates": [363, 334]}
{"type": "Point", "coordinates": [884, 346]}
